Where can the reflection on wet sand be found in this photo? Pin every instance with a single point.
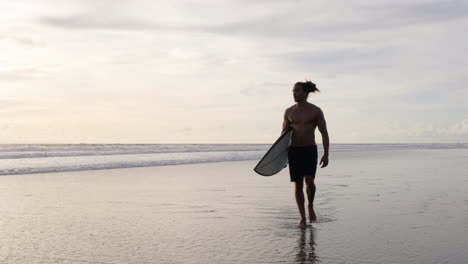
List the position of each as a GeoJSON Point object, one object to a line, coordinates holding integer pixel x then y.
{"type": "Point", "coordinates": [306, 249]}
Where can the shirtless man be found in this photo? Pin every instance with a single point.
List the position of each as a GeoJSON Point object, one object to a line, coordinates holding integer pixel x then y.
{"type": "Point", "coordinates": [304, 117]}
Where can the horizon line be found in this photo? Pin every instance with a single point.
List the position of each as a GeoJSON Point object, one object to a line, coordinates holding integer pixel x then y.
{"type": "Point", "coordinates": [270, 143]}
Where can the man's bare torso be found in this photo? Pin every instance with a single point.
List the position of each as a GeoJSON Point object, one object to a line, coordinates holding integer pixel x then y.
{"type": "Point", "coordinates": [304, 119]}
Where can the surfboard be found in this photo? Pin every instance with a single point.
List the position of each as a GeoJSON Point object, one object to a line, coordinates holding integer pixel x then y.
{"type": "Point", "coordinates": [276, 158]}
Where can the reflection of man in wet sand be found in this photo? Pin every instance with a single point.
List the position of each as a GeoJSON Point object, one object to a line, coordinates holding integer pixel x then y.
{"type": "Point", "coordinates": [306, 250]}
{"type": "Point", "coordinates": [303, 118]}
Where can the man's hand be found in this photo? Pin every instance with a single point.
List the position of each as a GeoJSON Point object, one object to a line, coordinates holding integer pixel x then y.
{"type": "Point", "coordinates": [324, 161]}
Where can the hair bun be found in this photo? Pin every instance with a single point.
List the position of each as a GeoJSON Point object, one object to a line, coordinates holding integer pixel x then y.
{"type": "Point", "coordinates": [310, 86]}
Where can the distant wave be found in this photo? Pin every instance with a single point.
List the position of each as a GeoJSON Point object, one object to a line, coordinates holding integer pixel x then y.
{"type": "Point", "coordinates": [78, 163]}
{"type": "Point", "coordinates": [22, 151]}
{"type": "Point", "coordinates": [26, 159]}
{"type": "Point", "coordinates": [70, 150]}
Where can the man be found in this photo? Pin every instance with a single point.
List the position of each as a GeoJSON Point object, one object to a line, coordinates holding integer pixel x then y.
{"type": "Point", "coordinates": [303, 118]}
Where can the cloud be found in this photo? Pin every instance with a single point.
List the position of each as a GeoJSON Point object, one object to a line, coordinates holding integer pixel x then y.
{"type": "Point", "coordinates": [12, 108]}
{"type": "Point", "coordinates": [457, 129]}
{"type": "Point", "coordinates": [8, 103]}
{"type": "Point", "coordinates": [335, 60]}
{"type": "Point", "coordinates": [417, 132]}
{"type": "Point", "coordinates": [95, 22]}
{"type": "Point", "coordinates": [376, 62]}
{"type": "Point", "coordinates": [391, 14]}
{"type": "Point", "coordinates": [21, 74]}
{"type": "Point", "coordinates": [299, 20]}
{"type": "Point", "coordinates": [25, 41]}
{"type": "Point", "coordinates": [262, 88]}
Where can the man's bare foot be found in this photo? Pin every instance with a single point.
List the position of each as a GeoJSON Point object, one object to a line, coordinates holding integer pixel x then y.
{"type": "Point", "coordinates": [302, 223]}
{"type": "Point", "coordinates": [312, 216]}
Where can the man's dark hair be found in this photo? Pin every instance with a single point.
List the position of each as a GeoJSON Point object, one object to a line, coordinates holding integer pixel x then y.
{"type": "Point", "coordinates": [308, 86]}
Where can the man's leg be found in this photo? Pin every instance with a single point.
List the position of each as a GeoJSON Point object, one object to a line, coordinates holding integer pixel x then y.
{"type": "Point", "coordinates": [310, 189]}
{"type": "Point", "coordinates": [300, 201]}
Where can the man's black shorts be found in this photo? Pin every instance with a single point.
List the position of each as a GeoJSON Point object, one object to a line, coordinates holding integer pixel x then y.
{"type": "Point", "coordinates": [302, 161]}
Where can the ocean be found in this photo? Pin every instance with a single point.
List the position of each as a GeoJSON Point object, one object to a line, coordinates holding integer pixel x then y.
{"type": "Point", "coordinates": [375, 203]}
{"type": "Point", "coordinates": [42, 158]}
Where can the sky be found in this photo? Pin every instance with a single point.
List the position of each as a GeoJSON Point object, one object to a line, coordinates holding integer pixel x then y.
{"type": "Point", "coordinates": [116, 71]}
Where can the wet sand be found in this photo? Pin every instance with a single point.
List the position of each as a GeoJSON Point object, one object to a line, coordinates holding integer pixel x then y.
{"type": "Point", "coordinates": [373, 207]}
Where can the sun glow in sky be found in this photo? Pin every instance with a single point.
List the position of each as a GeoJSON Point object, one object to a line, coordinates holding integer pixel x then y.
{"type": "Point", "coordinates": [81, 71]}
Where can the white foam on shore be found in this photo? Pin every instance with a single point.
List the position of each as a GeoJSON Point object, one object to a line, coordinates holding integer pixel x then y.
{"type": "Point", "coordinates": [26, 159]}
{"type": "Point", "coordinates": [79, 163]}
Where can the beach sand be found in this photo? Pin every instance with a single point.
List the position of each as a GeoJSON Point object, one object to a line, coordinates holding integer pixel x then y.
{"type": "Point", "coordinates": [373, 207]}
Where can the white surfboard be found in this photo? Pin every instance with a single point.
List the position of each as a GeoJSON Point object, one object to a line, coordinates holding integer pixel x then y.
{"type": "Point", "coordinates": [276, 157]}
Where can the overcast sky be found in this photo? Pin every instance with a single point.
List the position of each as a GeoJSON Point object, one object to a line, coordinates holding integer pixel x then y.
{"type": "Point", "coordinates": [87, 71]}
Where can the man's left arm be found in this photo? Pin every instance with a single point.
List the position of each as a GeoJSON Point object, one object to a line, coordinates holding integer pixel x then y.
{"type": "Point", "coordinates": [322, 126]}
